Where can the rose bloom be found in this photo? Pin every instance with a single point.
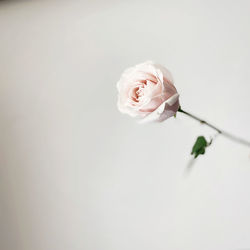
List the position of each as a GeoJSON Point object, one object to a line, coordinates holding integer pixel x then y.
{"type": "Point", "coordinates": [146, 91]}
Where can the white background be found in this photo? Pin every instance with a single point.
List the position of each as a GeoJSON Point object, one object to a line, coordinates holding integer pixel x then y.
{"type": "Point", "coordinates": [75, 174]}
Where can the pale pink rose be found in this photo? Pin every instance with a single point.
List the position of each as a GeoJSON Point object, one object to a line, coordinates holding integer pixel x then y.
{"type": "Point", "coordinates": [146, 91]}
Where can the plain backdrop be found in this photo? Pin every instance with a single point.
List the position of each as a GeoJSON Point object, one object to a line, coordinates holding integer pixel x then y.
{"type": "Point", "coordinates": [75, 174]}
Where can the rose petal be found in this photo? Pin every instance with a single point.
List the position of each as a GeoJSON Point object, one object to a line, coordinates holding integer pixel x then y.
{"type": "Point", "coordinates": [164, 111]}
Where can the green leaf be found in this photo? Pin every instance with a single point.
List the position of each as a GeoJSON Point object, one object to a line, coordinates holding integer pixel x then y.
{"type": "Point", "coordinates": [199, 146]}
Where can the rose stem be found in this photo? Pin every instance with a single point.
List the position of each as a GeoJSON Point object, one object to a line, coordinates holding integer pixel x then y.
{"type": "Point", "coordinates": [222, 132]}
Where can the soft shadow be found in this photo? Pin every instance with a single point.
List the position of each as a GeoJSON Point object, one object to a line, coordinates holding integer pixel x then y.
{"type": "Point", "coordinates": [188, 169]}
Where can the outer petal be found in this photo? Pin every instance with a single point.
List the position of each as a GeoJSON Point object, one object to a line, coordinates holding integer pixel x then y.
{"type": "Point", "coordinates": [164, 111]}
{"type": "Point", "coordinates": [166, 73]}
{"type": "Point", "coordinates": [135, 73]}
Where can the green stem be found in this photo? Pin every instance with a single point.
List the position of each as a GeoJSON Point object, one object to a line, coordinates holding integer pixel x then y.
{"type": "Point", "coordinates": [220, 131]}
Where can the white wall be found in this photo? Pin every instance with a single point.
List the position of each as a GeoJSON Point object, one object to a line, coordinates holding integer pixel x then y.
{"type": "Point", "coordinates": [75, 174]}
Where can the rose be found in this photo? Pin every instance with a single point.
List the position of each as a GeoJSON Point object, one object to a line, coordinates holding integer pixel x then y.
{"type": "Point", "coordinates": [146, 91]}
